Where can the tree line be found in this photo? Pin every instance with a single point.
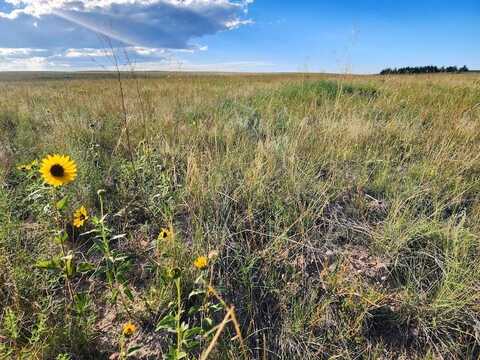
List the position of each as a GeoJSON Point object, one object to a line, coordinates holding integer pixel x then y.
{"type": "Point", "coordinates": [424, 70]}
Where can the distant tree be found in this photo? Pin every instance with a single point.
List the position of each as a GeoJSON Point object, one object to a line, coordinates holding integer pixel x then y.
{"type": "Point", "coordinates": [430, 69]}
{"type": "Point", "coordinates": [452, 69]}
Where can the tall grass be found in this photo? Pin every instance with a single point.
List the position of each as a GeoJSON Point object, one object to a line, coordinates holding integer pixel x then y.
{"type": "Point", "coordinates": [345, 211]}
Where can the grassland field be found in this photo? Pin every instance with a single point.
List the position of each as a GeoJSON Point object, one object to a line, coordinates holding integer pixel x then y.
{"type": "Point", "coordinates": [241, 216]}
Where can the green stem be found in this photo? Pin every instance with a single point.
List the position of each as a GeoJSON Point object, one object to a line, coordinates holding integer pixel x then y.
{"type": "Point", "coordinates": [111, 273]}
{"type": "Point", "coordinates": [178, 317]}
{"type": "Point", "coordinates": [122, 352]}
{"type": "Point", "coordinates": [60, 225]}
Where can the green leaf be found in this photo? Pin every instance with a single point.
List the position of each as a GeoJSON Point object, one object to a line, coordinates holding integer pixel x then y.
{"type": "Point", "coordinates": [181, 355]}
{"type": "Point", "coordinates": [114, 296]}
{"type": "Point", "coordinates": [194, 309]}
{"type": "Point", "coordinates": [167, 323]}
{"type": "Point", "coordinates": [119, 258]}
{"type": "Point", "coordinates": [132, 350]}
{"type": "Point", "coordinates": [69, 265]}
{"type": "Point", "coordinates": [110, 277]}
{"type": "Point", "coordinates": [184, 327]}
{"type": "Point", "coordinates": [62, 203]}
{"type": "Point", "coordinates": [215, 307]}
{"type": "Point", "coordinates": [192, 344]}
{"type": "Point", "coordinates": [174, 354]}
{"type": "Point", "coordinates": [61, 238]}
{"type": "Point", "coordinates": [89, 232]}
{"type": "Point", "coordinates": [190, 333]}
{"type": "Point", "coordinates": [48, 264]}
{"type": "Point", "coordinates": [84, 267]}
{"type": "Point", "coordinates": [208, 321]}
{"type": "Point", "coordinates": [171, 304]}
{"type": "Point", "coordinates": [128, 293]}
{"type": "Point", "coordinates": [196, 292]}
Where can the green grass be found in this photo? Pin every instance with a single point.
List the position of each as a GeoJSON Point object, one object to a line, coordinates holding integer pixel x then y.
{"type": "Point", "coordinates": [345, 212]}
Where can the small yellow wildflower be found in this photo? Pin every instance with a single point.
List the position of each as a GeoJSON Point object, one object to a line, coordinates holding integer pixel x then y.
{"type": "Point", "coordinates": [129, 329]}
{"type": "Point", "coordinates": [80, 216]}
{"type": "Point", "coordinates": [164, 234]}
{"type": "Point", "coordinates": [57, 170]}
{"type": "Point", "coordinates": [210, 291]}
{"type": "Point", "coordinates": [201, 262]}
{"type": "Point", "coordinates": [27, 167]}
{"type": "Point", "coordinates": [24, 167]}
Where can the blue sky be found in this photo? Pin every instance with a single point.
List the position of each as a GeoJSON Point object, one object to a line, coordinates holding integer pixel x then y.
{"type": "Point", "coordinates": [356, 36]}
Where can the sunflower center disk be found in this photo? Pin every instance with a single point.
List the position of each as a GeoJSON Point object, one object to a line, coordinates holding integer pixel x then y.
{"type": "Point", "coordinates": [57, 170]}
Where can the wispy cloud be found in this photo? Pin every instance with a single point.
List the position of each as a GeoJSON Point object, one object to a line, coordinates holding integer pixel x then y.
{"type": "Point", "coordinates": [20, 52]}
{"type": "Point", "coordinates": [233, 66]}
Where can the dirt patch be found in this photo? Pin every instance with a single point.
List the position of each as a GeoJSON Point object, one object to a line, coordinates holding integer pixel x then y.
{"type": "Point", "coordinates": [386, 325]}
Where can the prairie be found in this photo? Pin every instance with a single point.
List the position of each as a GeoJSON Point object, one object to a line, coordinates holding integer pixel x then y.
{"type": "Point", "coordinates": [257, 216]}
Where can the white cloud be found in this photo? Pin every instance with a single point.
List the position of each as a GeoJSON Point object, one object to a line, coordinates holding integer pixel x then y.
{"type": "Point", "coordinates": [39, 8]}
{"type": "Point", "coordinates": [75, 30]}
{"type": "Point", "coordinates": [98, 53]}
{"type": "Point", "coordinates": [19, 52]}
{"type": "Point", "coordinates": [236, 23]}
{"type": "Point", "coordinates": [85, 52]}
{"type": "Point", "coordinates": [154, 23]}
{"type": "Point", "coordinates": [35, 63]}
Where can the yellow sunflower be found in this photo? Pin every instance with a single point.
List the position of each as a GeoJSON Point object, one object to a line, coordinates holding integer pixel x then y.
{"type": "Point", "coordinates": [201, 262]}
{"type": "Point", "coordinates": [164, 234]}
{"type": "Point", "coordinates": [80, 216]}
{"type": "Point", "coordinates": [129, 329]}
{"type": "Point", "coordinates": [57, 170]}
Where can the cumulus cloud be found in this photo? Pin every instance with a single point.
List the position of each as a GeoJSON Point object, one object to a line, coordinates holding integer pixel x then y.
{"type": "Point", "coordinates": [145, 27]}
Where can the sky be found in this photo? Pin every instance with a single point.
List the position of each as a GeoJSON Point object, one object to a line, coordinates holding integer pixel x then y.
{"type": "Point", "coordinates": [353, 36]}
